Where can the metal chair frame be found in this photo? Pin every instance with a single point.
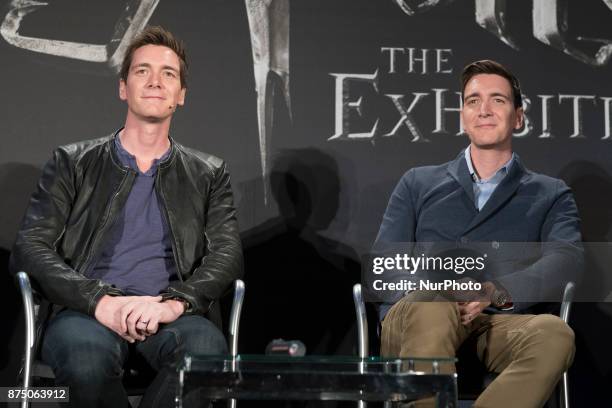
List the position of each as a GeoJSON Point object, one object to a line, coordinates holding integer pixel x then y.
{"type": "Point", "coordinates": [30, 329]}
{"type": "Point", "coordinates": [363, 344]}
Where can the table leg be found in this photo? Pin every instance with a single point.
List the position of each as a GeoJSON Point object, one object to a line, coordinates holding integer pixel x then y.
{"type": "Point", "coordinates": [447, 397]}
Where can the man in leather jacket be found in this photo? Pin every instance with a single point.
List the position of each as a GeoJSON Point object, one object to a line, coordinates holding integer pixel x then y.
{"type": "Point", "coordinates": [132, 238]}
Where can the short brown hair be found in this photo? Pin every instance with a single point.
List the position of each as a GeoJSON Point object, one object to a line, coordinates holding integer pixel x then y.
{"type": "Point", "coordinates": [155, 35]}
{"type": "Point", "coordinates": [492, 67]}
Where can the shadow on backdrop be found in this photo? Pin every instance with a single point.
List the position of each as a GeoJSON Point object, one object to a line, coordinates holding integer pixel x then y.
{"type": "Point", "coordinates": [591, 373]}
{"type": "Point", "coordinates": [298, 282]}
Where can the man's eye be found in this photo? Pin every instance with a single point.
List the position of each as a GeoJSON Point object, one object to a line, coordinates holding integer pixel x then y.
{"type": "Point", "coordinates": [170, 74]}
{"type": "Point", "coordinates": [140, 71]}
{"type": "Point", "coordinates": [472, 101]}
{"type": "Point", "coordinates": [500, 100]}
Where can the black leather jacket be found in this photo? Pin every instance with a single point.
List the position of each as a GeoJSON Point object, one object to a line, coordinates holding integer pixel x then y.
{"type": "Point", "coordinates": [82, 190]}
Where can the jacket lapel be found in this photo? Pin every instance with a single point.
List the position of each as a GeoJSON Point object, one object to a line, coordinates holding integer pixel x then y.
{"type": "Point", "coordinates": [502, 193]}
{"type": "Point", "coordinates": [459, 171]}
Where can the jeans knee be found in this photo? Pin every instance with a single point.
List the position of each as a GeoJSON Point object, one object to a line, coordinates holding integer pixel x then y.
{"type": "Point", "coordinates": [211, 342]}
{"type": "Point", "coordinates": [88, 369]}
{"type": "Point", "coordinates": [215, 345]}
{"type": "Point", "coordinates": [197, 335]}
{"type": "Point", "coordinates": [95, 354]}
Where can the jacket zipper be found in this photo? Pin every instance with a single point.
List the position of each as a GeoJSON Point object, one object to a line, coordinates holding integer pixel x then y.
{"type": "Point", "coordinates": [162, 202]}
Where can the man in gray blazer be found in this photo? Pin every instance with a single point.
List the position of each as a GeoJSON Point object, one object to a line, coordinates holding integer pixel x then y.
{"type": "Point", "coordinates": [487, 195]}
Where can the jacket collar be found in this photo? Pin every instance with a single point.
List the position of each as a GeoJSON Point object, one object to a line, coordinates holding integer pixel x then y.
{"type": "Point", "coordinates": [110, 145]}
{"type": "Point", "coordinates": [458, 169]}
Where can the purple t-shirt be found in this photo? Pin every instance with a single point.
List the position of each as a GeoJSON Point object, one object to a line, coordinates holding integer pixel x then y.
{"type": "Point", "coordinates": [137, 257]}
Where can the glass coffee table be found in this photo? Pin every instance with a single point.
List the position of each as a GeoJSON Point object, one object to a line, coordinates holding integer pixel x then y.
{"type": "Point", "coordinates": [260, 377]}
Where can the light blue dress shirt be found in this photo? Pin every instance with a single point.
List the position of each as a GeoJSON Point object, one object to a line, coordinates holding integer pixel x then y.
{"type": "Point", "coordinates": [483, 189]}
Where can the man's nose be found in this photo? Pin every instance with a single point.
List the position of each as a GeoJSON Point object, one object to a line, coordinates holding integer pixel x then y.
{"type": "Point", "coordinates": [154, 80]}
{"type": "Point", "coordinates": [484, 109]}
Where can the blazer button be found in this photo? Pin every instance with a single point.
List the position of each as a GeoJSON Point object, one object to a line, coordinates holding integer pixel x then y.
{"type": "Point", "coordinates": [464, 240]}
{"type": "Point", "coordinates": [495, 245]}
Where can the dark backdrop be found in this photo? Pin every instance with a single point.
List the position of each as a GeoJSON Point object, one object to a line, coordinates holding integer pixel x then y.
{"type": "Point", "coordinates": [311, 200]}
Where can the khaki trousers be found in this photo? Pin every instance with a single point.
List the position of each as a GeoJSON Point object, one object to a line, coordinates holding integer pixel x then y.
{"type": "Point", "coordinates": [530, 352]}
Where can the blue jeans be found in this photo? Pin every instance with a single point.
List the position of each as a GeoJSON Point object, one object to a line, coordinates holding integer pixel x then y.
{"type": "Point", "coordinates": [89, 358]}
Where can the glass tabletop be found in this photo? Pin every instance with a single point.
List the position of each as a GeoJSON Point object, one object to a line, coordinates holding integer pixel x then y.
{"type": "Point", "coordinates": [318, 378]}
{"type": "Point", "coordinates": [318, 364]}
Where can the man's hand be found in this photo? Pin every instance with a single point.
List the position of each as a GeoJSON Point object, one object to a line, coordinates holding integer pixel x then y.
{"type": "Point", "coordinates": [466, 296]}
{"type": "Point", "coordinates": [108, 312]}
{"type": "Point", "coordinates": [141, 316]}
{"type": "Point", "coordinates": [470, 310]}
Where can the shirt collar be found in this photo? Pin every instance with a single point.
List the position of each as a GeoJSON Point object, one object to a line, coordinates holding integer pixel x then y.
{"type": "Point", "coordinates": [129, 160]}
{"type": "Point", "coordinates": [502, 171]}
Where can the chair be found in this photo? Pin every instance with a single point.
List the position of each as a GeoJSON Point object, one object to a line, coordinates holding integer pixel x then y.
{"type": "Point", "coordinates": [363, 344]}
{"type": "Point", "coordinates": [135, 384]}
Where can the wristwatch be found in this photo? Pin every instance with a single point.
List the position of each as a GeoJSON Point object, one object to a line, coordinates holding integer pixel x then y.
{"type": "Point", "coordinates": [499, 298]}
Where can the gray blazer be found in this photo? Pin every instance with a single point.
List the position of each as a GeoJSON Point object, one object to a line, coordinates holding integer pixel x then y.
{"type": "Point", "coordinates": [530, 225]}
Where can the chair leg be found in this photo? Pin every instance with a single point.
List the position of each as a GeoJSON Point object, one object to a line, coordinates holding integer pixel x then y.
{"type": "Point", "coordinates": [564, 400]}
{"type": "Point", "coordinates": [234, 327]}
{"type": "Point", "coordinates": [28, 306]}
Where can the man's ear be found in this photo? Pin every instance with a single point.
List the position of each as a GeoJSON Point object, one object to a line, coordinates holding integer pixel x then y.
{"type": "Point", "coordinates": [181, 100]}
{"type": "Point", "coordinates": [520, 118]}
{"type": "Point", "coordinates": [122, 90]}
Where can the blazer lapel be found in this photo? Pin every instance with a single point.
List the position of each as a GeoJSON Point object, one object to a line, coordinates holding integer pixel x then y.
{"type": "Point", "coordinates": [459, 171]}
{"type": "Point", "coordinates": [502, 193]}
